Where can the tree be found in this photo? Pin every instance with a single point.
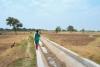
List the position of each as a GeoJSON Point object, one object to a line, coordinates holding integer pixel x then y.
{"type": "Point", "coordinates": [19, 25]}
{"type": "Point", "coordinates": [58, 29]}
{"type": "Point", "coordinates": [63, 30]}
{"type": "Point", "coordinates": [83, 30]}
{"type": "Point", "coordinates": [71, 28]}
{"type": "Point", "coordinates": [15, 23]}
{"type": "Point", "coordinates": [1, 29]}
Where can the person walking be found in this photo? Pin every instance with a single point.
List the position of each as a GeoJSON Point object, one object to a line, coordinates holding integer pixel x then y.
{"type": "Point", "coordinates": [37, 39]}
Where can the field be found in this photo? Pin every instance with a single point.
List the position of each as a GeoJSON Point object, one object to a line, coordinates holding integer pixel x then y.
{"type": "Point", "coordinates": [85, 44]}
{"type": "Point", "coordinates": [14, 50]}
{"type": "Point", "coordinates": [7, 39]}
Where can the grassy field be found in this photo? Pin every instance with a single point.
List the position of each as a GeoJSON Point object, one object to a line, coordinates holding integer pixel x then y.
{"type": "Point", "coordinates": [6, 40]}
{"type": "Point", "coordinates": [85, 44]}
{"type": "Point", "coordinates": [21, 55]}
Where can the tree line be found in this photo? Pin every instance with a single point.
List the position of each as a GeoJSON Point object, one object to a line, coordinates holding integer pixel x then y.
{"type": "Point", "coordinates": [71, 28]}
{"type": "Point", "coordinates": [17, 26]}
{"type": "Point", "coordinates": [21, 29]}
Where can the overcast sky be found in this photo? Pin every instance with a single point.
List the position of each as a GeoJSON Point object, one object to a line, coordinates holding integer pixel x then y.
{"type": "Point", "coordinates": [48, 14]}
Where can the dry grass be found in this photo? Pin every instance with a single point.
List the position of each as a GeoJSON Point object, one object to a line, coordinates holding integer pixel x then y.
{"type": "Point", "coordinates": [8, 54]}
{"type": "Point", "coordinates": [27, 58]}
{"type": "Point", "coordinates": [7, 40]}
{"type": "Point", "coordinates": [82, 43]}
{"type": "Point", "coordinates": [12, 54]}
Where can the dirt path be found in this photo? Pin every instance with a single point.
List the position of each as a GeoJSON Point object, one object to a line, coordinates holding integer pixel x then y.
{"type": "Point", "coordinates": [27, 55]}
{"type": "Point", "coordinates": [28, 50]}
{"type": "Point", "coordinates": [22, 55]}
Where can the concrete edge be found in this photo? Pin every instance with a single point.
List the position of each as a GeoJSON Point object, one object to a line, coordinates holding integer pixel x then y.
{"type": "Point", "coordinates": [44, 60]}
{"type": "Point", "coordinates": [43, 57]}
{"type": "Point", "coordinates": [41, 61]}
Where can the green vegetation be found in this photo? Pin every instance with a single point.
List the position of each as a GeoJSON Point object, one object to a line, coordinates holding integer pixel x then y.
{"type": "Point", "coordinates": [32, 51]}
{"type": "Point", "coordinates": [71, 28]}
{"type": "Point", "coordinates": [29, 58]}
{"type": "Point", "coordinates": [58, 29]}
{"type": "Point", "coordinates": [15, 23]}
{"type": "Point", "coordinates": [83, 30]}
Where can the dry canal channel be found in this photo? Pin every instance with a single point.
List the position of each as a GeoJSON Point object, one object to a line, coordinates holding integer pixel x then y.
{"type": "Point", "coordinates": [51, 59]}
{"type": "Point", "coordinates": [54, 55]}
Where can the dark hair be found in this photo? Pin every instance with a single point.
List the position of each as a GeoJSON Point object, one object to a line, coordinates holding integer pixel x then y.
{"type": "Point", "coordinates": [37, 31]}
